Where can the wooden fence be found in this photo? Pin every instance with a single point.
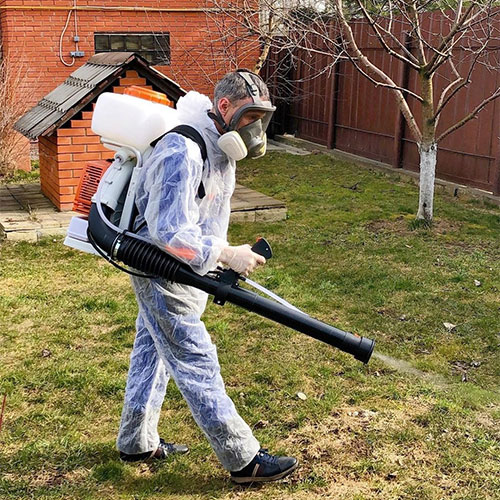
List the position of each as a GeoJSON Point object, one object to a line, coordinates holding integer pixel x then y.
{"type": "Point", "coordinates": [341, 109]}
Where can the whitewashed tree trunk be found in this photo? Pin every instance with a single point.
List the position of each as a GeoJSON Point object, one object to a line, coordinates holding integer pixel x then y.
{"type": "Point", "coordinates": [428, 158]}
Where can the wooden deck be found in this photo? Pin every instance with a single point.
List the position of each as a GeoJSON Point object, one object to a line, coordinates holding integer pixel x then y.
{"type": "Point", "coordinates": [26, 214]}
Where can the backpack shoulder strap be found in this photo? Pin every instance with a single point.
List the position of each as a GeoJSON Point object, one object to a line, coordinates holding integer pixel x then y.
{"type": "Point", "coordinates": [194, 135]}
{"type": "Point", "coordinates": [190, 133]}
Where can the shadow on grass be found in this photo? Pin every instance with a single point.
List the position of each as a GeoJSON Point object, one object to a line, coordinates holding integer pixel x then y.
{"type": "Point", "coordinates": [83, 470]}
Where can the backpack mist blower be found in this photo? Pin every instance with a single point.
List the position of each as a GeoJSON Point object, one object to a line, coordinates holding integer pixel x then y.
{"type": "Point", "coordinates": [129, 124]}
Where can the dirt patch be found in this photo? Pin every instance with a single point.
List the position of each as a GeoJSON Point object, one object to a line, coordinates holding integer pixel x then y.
{"type": "Point", "coordinates": [489, 423]}
{"type": "Point", "coordinates": [355, 448]}
{"type": "Point", "coordinates": [47, 478]}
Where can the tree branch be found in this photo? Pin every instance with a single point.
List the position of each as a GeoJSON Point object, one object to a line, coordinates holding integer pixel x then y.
{"type": "Point", "coordinates": [403, 105]}
{"type": "Point", "coordinates": [384, 44]}
{"type": "Point", "coordinates": [380, 84]}
{"type": "Point", "coordinates": [470, 116]}
{"type": "Point", "coordinates": [457, 84]}
{"type": "Point", "coordinates": [416, 20]}
{"type": "Point", "coordinates": [459, 23]}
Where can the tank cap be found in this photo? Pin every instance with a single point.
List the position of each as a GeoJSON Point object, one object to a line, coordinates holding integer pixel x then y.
{"type": "Point", "coordinates": [147, 94]}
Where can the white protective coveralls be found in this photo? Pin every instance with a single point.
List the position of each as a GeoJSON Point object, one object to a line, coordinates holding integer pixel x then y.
{"type": "Point", "coordinates": [171, 340]}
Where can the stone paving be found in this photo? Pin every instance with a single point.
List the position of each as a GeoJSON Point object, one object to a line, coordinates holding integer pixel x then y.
{"type": "Point", "coordinates": [26, 214]}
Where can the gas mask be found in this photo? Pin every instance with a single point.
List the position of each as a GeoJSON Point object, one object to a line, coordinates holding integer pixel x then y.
{"type": "Point", "coordinates": [249, 140]}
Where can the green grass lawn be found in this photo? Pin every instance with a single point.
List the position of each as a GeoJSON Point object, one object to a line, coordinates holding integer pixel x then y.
{"type": "Point", "coordinates": [420, 423]}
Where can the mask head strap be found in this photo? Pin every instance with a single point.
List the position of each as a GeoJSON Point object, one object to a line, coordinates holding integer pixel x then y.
{"type": "Point", "coordinates": [218, 118]}
{"type": "Point", "coordinates": [252, 89]}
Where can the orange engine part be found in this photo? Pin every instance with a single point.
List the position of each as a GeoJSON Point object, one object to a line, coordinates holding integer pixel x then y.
{"type": "Point", "coordinates": [87, 186]}
{"type": "Point", "coordinates": [148, 94]}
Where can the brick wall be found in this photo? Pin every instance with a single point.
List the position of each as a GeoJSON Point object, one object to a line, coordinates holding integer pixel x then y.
{"type": "Point", "coordinates": [64, 154]}
{"type": "Point", "coordinates": [31, 37]}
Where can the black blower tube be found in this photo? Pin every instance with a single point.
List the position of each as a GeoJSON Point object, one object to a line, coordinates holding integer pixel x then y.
{"type": "Point", "coordinates": [149, 259]}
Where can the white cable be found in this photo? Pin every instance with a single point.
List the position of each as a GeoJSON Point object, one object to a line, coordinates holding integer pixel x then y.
{"type": "Point", "coordinates": [98, 193]}
{"type": "Point", "coordinates": [76, 25]}
{"type": "Point", "coordinates": [61, 40]}
{"type": "Point", "coordinates": [276, 297]}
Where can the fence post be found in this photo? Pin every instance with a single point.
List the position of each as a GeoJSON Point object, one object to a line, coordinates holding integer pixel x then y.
{"type": "Point", "coordinates": [332, 112]}
{"type": "Point", "coordinates": [496, 175]}
{"type": "Point", "coordinates": [495, 186]}
{"type": "Point", "coordinates": [399, 128]}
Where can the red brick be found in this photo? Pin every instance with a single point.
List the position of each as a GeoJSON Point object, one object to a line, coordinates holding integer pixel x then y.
{"type": "Point", "coordinates": [66, 198]}
{"type": "Point", "coordinates": [70, 132]}
{"type": "Point", "coordinates": [66, 165]}
{"type": "Point", "coordinates": [66, 190]}
{"type": "Point", "coordinates": [99, 147]}
{"type": "Point", "coordinates": [84, 156]}
{"type": "Point", "coordinates": [87, 115]}
{"type": "Point", "coordinates": [73, 148]}
{"type": "Point", "coordinates": [88, 139]}
{"type": "Point", "coordinates": [124, 82]}
{"type": "Point", "coordinates": [80, 123]}
{"type": "Point", "coordinates": [72, 181]}
{"type": "Point", "coordinates": [63, 157]}
{"type": "Point", "coordinates": [63, 140]}
{"type": "Point", "coordinates": [65, 207]}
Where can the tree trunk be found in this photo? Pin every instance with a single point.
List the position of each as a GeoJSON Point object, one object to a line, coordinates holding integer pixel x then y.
{"type": "Point", "coordinates": [427, 149]}
{"type": "Point", "coordinates": [428, 158]}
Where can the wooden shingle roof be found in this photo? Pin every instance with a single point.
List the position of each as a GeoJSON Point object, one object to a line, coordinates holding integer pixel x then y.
{"type": "Point", "coordinates": [86, 84]}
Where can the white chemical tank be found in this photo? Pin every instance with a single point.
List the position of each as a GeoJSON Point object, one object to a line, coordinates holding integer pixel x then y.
{"type": "Point", "coordinates": [131, 121]}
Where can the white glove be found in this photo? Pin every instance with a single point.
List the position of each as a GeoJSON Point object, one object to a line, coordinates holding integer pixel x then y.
{"type": "Point", "coordinates": [241, 259]}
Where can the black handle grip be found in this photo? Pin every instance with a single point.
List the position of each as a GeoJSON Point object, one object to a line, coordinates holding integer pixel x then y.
{"type": "Point", "coordinates": [262, 247]}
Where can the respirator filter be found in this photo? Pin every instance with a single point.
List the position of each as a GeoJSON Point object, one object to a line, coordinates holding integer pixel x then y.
{"type": "Point", "coordinates": [232, 144]}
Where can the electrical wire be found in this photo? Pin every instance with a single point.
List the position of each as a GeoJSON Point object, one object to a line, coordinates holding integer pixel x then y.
{"type": "Point", "coordinates": [105, 256]}
{"type": "Point", "coordinates": [76, 25]}
{"type": "Point", "coordinates": [61, 41]}
{"type": "Point", "coordinates": [117, 229]}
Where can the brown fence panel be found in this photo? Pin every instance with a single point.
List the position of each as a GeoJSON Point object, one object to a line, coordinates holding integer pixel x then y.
{"type": "Point", "coordinates": [342, 109]}
{"type": "Point", "coordinates": [366, 115]}
{"type": "Point", "coordinates": [466, 156]}
{"type": "Point", "coordinates": [276, 72]}
{"type": "Point", "coordinates": [309, 110]}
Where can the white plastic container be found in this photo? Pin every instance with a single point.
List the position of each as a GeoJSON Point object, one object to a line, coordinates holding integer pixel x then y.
{"type": "Point", "coordinates": [76, 236]}
{"type": "Point", "coordinates": [131, 121]}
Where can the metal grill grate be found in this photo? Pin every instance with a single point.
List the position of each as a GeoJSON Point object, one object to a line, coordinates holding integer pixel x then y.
{"type": "Point", "coordinates": [87, 186]}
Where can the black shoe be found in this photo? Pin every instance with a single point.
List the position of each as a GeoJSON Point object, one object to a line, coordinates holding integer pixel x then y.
{"type": "Point", "coordinates": [265, 468]}
{"type": "Point", "coordinates": [163, 451]}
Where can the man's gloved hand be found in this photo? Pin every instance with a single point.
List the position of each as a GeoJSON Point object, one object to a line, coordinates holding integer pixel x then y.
{"type": "Point", "coordinates": [241, 259]}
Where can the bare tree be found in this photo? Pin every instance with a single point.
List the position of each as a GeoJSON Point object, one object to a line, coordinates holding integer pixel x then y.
{"type": "Point", "coordinates": [14, 102]}
{"type": "Point", "coordinates": [470, 26]}
{"type": "Point", "coordinates": [259, 25]}
{"type": "Point", "coordinates": [399, 27]}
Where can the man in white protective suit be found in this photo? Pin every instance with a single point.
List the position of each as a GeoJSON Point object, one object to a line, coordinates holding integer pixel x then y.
{"type": "Point", "coordinates": [191, 224]}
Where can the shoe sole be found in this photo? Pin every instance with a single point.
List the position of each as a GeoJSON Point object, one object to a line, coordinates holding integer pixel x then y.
{"type": "Point", "coordinates": [152, 459]}
{"type": "Point", "coordinates": [264, 479]}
